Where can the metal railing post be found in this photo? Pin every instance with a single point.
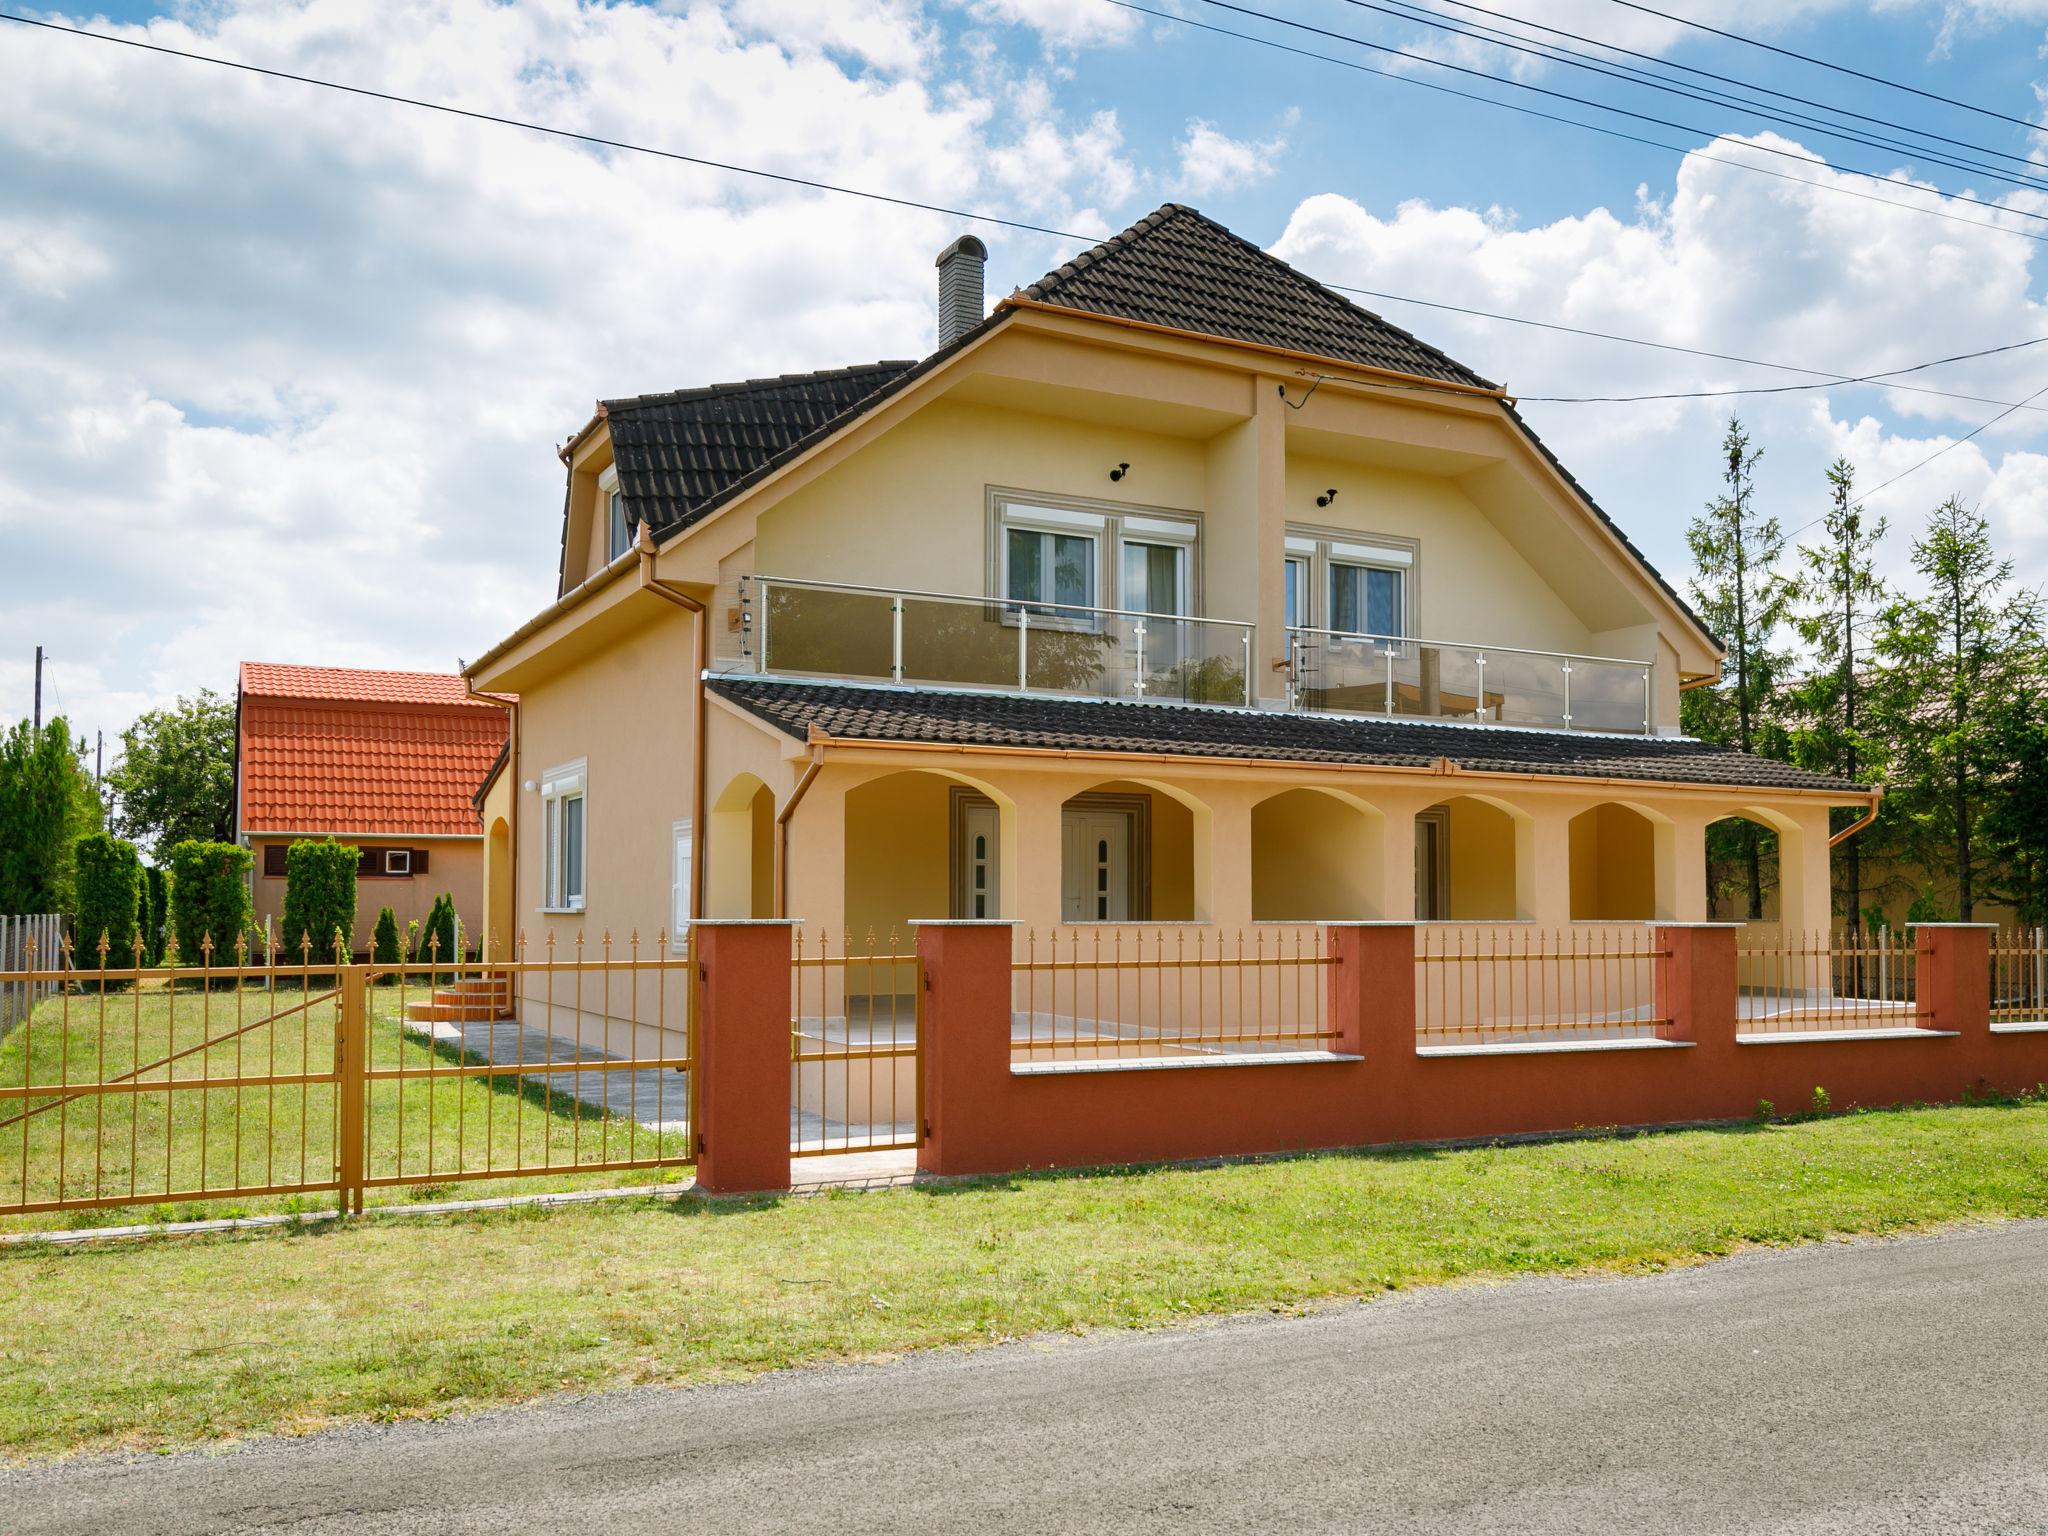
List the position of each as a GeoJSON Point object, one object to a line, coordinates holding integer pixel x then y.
{"type": "Point", "coordinates": [1246, 637]}
{"type": "Point", "coordinates": [1567, 695]}
{"type": "Point", "coordinates": [1649, 700]}
{"type": "Point", "coordinates": [1023, 649]}
{"type": "Point", "coordinates": [896, 640]}
{"type": "Point", "coordinates": [351, 1062]}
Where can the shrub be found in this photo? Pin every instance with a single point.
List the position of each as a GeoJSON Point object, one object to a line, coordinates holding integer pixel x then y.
{"type": "Point", "coordinates": [319, 898]}
{"type": "Point", "coordinates": [155, 912]}
{"type": "Point", "coordinates": [384, 948]}
{"type": "Point", "coordinates": [437, 933]}
{"type": "Point", "coordinates": [209, 898]}
{"type": "Point", "coordinates": [108, 904]}
{"type": "Point", "coordinates": [1823, 1101]}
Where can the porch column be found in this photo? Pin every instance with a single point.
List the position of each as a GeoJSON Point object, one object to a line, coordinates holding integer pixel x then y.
{"type": "Point", "coordinates": [1032, 857]}
{"type": "Point", "coordinates": [1228, 890]}
{"type": "Point", "coordinates": [814, 879]}
{"type": "Point", "coordinates": [1396, 901]}
{"type": "Point", "coordinates": [1806, 901]}
{"type": "Point", "coordinates": [1688, 869]}
{"type": "Point", "coordinates": [1543, 865]}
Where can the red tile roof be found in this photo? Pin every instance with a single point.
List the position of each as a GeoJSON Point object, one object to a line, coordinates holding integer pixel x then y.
{"type": "Point", "coordinates": [334, 749]}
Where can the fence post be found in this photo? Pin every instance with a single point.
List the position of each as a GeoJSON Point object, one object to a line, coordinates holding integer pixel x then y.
{"type": "Point", "coordinates": [964, 969]}
{"type": "Point", "coordinates": [1955, 977]}
{"type": "Point", "coordinates": [1371, 988]}
{"type": "Point", "coordinates": [351, 1062]}
{"type": "Point", "coordinates": [1697, 989]}
{"type": "Point", "coordinates": [740, 1056]}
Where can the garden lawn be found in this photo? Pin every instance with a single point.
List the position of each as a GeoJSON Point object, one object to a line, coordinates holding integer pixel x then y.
{"type": "Point", "coordinates": [224, 1140]}
{"type": "Point", "coordinates": [174, 1341]}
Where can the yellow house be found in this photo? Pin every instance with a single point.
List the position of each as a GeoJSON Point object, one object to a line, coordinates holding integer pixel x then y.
{"type": "Point", "coordinates": [1178, 588]}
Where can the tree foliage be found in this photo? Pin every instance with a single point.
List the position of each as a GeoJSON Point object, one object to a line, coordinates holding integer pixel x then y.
{"type": "Point", "coordinates": [437, 935]}
{"type": "Point", "coordinates": [46, 804]}
{"type": "Point", "coordinates": [209, 899]}
{"type": "Point", "coordinates": [175, 777]}
{"type": "Point", "coordinates": [384, 941]}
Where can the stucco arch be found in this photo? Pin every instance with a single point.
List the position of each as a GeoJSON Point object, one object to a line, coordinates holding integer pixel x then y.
{"type": "Point", "coordinates": [1492, 872]}
{"type": "Point", "coordinates": [739, 870]}
{"type": "Point", "coordinates": [1316, 854]}
{"type": "Point", "coordinates": [899, 828]}
{"type": "Point", "coordinates": [1623, 864]}
{"type": "Point", "coordinates": [1179, 873]}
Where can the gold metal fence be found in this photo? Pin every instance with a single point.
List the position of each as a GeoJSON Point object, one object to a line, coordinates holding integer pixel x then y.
{"type": "Point", "coordinates": [1798, 983]}
{"type": "Point", "coordinates": [1506, 983]}
{"type": "Point", "coordinates": [270, 1076]}
{"type": "Point", "coordinates": [1122, 992]}
{"type": "Point", "coordinates": [856, 1065]}
{"type": "Point", "coordinates": [2019, 976]}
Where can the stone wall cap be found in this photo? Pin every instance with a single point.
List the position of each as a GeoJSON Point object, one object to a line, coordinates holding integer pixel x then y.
{"type": "Point", "coordinates": [746, 922]}
{"type": "Point", "coordinates": [966, 922]}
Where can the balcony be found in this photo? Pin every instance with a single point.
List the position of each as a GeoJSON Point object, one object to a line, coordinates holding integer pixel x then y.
{"type": "Point", "coordinates": [820, 629]}
{"type": "Point", "coordinates": [797, 628]}
{"type": "Point", "coordinates": [1408, 678]}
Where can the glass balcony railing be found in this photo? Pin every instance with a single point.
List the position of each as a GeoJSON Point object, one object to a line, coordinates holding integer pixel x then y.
{"type": "Point", "coordinates": [827, 629]}
{"type": "Point", "coordinates": [1416, 679]}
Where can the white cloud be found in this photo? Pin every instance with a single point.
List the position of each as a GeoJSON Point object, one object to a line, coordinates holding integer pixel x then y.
{"type": "Point", "coordinates": [1745, 265]}
{"type": "Point", "coordinates": [1062, 23]}
{"type": "Point", "coordinates": [1212, 161]}
{"type": "Point", "coordinates": [280, 369]}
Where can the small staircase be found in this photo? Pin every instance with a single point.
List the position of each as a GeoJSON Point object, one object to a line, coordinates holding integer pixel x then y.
{"type": "Point", "coordinates": [470, 1000]}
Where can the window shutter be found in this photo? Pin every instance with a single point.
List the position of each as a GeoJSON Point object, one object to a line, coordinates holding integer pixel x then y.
{"type": "Point", "coordinates": [273, 859]}
{"type": "Point", "coordinates": [419, 861]}
{"type": "Point", "coordinates": [370, 861]}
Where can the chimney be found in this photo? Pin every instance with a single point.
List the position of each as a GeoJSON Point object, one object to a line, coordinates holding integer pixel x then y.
{"type": "Point", "coordinates": [959, 267]}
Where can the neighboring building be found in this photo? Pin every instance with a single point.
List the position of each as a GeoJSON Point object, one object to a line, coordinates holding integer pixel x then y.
{"type": "Point", "coordinates": [1178, 588]}
{"type": "Point", "coordinates": [386, 761]}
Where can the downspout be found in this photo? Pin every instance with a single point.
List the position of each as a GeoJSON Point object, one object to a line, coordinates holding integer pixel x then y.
{"type": "Point", "coordinates": [1876, 800]}
{"type": "Point", "coordinates": [782, 828]}
{"type": "Point", "coordinates": [649, 582]}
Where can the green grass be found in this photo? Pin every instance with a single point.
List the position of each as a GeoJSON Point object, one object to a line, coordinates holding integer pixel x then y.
{"type": "Point", "coordinates": [176, 1341]}
{"type": "Point", "coordinates": [226, 1139]}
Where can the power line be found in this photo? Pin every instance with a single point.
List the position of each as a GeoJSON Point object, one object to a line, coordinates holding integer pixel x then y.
{"type": "Point", "coordinates": [1629, 74]}
{"type": "Point", "coordinates": [1827, 376]}
{"type": "Point", "coordinates": [1841, 69]}
{"type": "Point", "coordinates": [1782, 389]}
{"type": "Point", "coordinates": [1613, 133]}
{"type": "Point", "coordinates": [1601, 106]}
{"type": "Point", "coordinates": [1768, 90]}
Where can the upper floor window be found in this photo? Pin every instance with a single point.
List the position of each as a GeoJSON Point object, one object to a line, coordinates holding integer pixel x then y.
{"type": "Point", "coordinates": [1351, 586]}
{"type": "Point", "coordinates": [618, 531]}
{"type": "Point", "coordinates": [562, 840]}
{"type": "Point", "coordinates": [1082, 557]}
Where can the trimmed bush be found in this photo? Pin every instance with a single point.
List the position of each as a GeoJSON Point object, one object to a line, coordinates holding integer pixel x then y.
{"type": "Point", "coordinates": [155, 913]}
{"type": "Point", "coordinates": [319, 898]}
{"type": "Point", "coordinates": [384, 948]}
{"type": "Point", "coordinates": [437, 934]}
{"type": "Point", "coordinates": [109, 902]}
{"type": "Point", "coordinates": [209, 899]}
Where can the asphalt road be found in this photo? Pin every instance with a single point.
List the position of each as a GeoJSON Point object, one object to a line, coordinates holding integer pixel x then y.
{"type": "Point", "coordinates": [1886, 1386]}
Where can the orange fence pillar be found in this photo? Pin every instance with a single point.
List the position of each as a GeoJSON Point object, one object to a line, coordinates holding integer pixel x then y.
{"type": "Point", "coordinates": [1954, 982]}
{"type": "Point", "coordinates": [965, 972]}
{"type": "Point", "coordinates": [1372, 988]}
{"type": "Point", "coordinates": [1696, 982]}
{"type": "Point", "coordinates": [741, 1054]}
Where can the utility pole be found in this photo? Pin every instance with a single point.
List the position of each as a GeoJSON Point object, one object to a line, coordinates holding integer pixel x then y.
{"type": "Point", "coordinates": [39, 688]}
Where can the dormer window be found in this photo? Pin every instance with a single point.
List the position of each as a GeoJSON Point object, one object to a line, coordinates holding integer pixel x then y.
{"type": "Point", "coordinates": [618, 530]}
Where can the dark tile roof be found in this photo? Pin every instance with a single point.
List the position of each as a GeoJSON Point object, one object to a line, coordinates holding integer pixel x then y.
{"type": "Point", "coordinates": [1177, 268]}
{"type": "Point", "coordinates": [676, 451]}
{"type": "Point", "coordinates": [859, 712]}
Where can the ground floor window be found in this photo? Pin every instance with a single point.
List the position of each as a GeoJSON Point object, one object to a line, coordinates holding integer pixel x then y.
{"type": "Point", "coordinates": [562, 838]}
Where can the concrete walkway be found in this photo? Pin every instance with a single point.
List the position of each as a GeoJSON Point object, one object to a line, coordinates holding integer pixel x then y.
{"type": "Point", "coordinates": [1874, 1388]}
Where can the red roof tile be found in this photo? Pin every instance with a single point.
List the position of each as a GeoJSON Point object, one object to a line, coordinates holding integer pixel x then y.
{"type": "Point", "coordinates": [331, 749]}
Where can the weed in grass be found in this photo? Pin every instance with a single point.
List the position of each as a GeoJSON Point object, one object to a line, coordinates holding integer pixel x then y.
{"type": "Point", "coordinates": [1823, 1101]}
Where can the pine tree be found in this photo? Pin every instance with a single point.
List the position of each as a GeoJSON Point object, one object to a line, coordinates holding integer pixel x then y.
{"type": "Point", "coordinates": [384, 939]}
{"type": "Point", "coordinates": [1743, 598]}
{"type": "Point", "coordinates": [1835, 602]}
{"type": "Point", "coordinates": [1964, 663]}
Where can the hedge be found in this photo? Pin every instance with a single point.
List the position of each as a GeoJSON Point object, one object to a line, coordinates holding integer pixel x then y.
{"type": "Point", "coordinates": [209, 899]}
{"type": "Point", "coordinates": [437, 934]}
{"type": "Point", "coordinates": [155, 913]}
{"type": "Point", "coordinates": [108, 903]}
{"type": "Point", "coordinates": [319, 898]}
{"type": "Point", "coordinates": [384, 945]}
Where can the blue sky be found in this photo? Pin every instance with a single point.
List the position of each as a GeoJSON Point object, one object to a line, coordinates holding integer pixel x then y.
{"type": "Point", "coordinates": [332, 343]}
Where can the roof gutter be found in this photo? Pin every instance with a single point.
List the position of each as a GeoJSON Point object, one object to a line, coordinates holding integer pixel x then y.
{"type": "Point", "coordinates": [796, 796]}
{"type": "Point", "coordinates": [643, 544]}
{"type": "Point", "coordinates": [1449, 386]}
{"type": "Point", "coordinates": [1876, 801]}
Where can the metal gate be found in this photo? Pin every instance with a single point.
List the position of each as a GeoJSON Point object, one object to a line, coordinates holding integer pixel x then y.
{"type": "Point", "coordinates": [856, 1046]}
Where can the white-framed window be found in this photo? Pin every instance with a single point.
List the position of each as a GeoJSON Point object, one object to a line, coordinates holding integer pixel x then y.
{"type": "Point", "coordinates": [1356, 586]}
{"type": "Point", "coordinates": [1088, 557]}
{"type": "Point", "coordinates": [563, 838]}
{"type": "Point", "coordinates": [398, 861]}
{"type": "Point", "coordinates": [682, 842]}
{"type": "Point", "coordinates": [612, 501]}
